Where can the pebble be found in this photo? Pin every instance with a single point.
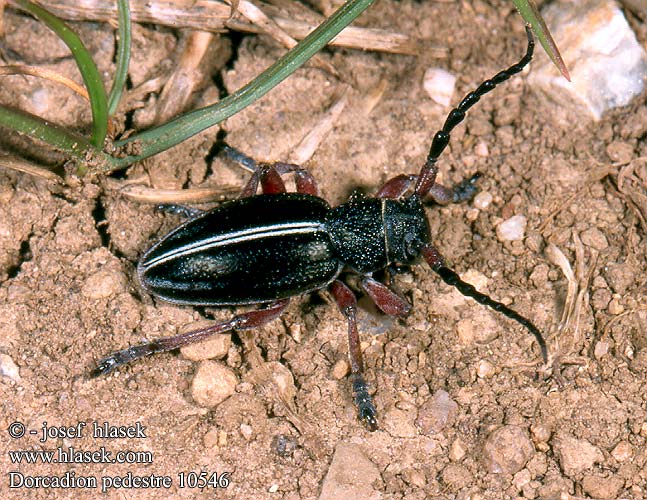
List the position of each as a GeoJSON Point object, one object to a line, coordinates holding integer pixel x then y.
{"type": "Point", "coordinates": [439, 84]}
{"type": "Point", "coordinates": [483, 200]}
{"type": "Point", "coordinates": [594, 238]}
{"type": "Point", "coordinates": [212, 384]}
{"type": "Point", "coordinates": [601, 349]}
{"type": "Point", "coordinates": [437, 413]}
{"type": "Point", "coordinates": [615, 307]}
{"type": "Point", "coordinates": [104, 284]}
{"type": "Point", "coordinates": [608, 66]}
{"type": "Point", "coordinates": [623, 451]}
{"type": "Point", "coordinates": [512, 229]}
{"type": "Point", "coordinates": [215, 347]}
{"type": "Point", "coordinates": [8, 368]}
{"type": "Point", "coordinates": [350, 475]}
{"type": "Point", "coordinates": [457, 476]}
{"type": "Point", "coordinates": [457, 450]}
{"type": "Point", "coordinates": [620, 276]}
{"type": "Point", "coordinates": [575, 455]}
{"type": "Point", "coordinates": [340, 369]}
{"type": "Point", "coordinates": [246, 431]}
{"type": "Point", "coordinates": [485, 369]}
{"type": "Point", "coordinates": [602, 487]}
{"type": "Point", "coordinates": [540, 433]}
{"type": "Point", "coordinates": [480, 330]}
{"type": "Point", "coordinates": [481, 149]}
{"type": "Point", "coordinates": [507, 449]}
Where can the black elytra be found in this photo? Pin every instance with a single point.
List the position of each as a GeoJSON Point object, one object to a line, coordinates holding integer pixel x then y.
{"type": "Point", "coordinates": [265, 249]}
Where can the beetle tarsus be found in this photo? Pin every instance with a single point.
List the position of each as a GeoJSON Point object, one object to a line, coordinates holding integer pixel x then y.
{"type": "Point", "coordinates": [366, 409]}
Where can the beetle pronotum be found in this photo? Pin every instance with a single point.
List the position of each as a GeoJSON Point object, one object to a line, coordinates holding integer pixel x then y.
{"type": "Point", "coordinates": [267, 248]}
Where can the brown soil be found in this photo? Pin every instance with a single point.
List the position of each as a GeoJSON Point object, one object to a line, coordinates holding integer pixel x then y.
{"type": "Point", "coordinates": [69, 296]}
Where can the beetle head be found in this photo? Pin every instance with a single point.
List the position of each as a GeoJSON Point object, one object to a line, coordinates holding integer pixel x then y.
{"type": "Point", "coordinates": [407, 229]}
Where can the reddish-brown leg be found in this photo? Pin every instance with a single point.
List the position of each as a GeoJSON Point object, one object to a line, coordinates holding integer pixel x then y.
{"type": "Point", "coordinates": [268, 175]}
{"type": "Point", "coordinates": [398, 186]}
{"type": "Point", "coordinates": [243, 321]}
{"type": "Point", "coordinates": [348, 306]}
{"type": "Point", "coordinates": [386, 299]}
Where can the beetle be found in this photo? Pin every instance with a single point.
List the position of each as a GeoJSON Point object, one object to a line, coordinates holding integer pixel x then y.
{"type": "Point", "coordinates": [266, 248]}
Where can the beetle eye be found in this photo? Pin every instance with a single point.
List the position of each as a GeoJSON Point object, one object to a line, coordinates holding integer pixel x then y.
{"type": "Point", "coordinates": [412, 245]}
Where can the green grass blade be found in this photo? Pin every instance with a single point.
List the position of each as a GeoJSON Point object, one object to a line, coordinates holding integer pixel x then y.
{"type": "Point", "coordinates": [123, 56]}
{"type": "Point", "coordinates": [75, 145]}
{"type": "Point", "coordinates": [160, 138]}
{"type": "Point", "coordinates": [531, 15]}
{"type": "Point", "coordinates": [87, 68]}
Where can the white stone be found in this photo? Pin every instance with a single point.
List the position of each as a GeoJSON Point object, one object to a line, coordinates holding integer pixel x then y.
{"type": "Point", "coordinates": [512, 229]}
{"type": "Point", "coordinates": [439, 84]}
{"type": "Point", "coordinates": [607, 65]}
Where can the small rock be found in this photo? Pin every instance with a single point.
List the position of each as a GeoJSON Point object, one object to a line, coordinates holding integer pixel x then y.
{"type": "Point", "coordinates": [103, 284]}
{"type": "Point", "coordinates": [615, 307]}
{"type": "Point", "coordinates": [439, 84]}
{"type": "Point", "coordinates": [619, 276]}
{"type": "Point", "coordinates": [457, 450]}
{"type": "Point", "coordinates": [215, 347]}
{"type": "Point", "coordinates": [607, 65]}
{"type": "Point", "coordinates": [350, 475]}
{"type": "Point", "coordinates": [602, 487]}
{"type": "Point", "coordinates": [575, 455]}
{"type": "Point", "coordinates": [485, 369]}
{"type": "Point", "coordinates": [210, 438]}
{"type": "Point", "coordinates": [512, 229]}
{"type": "Point", "coordinates": [212, 384]}
{"type": "Point", "coordinates": [540, 433]}
{"type": "Point", "coordinates": [481, 149]}
{"type": "Point", "coordinates": [284, 445]}
{"type": "Point", "coordinates": [483, 200]}
{"type": "Point", "coordinates": [601, 349]}
{"type": "Point", "coordinates": [246, 431]}
{"type": "Point", "coordinates": [623, 451]}
{"type": "Point", "coordinates": [480, 330]}
{"type": "Point", "coordinates": [340, 370]}
{"type": "Point", "coordinates": [594, 238]}
{"type": "Point", "coordinates": [8, 368]}
{"type": "Point", "coordinates": [457, 477]}
{"type": "Point", "coordinates": [521, 479]}
{"type": "Point", "coordinates": [437, 413]}
{"type": "Point", "coordinates": [507, 449]}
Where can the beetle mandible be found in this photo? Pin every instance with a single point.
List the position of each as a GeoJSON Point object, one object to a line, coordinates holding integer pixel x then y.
{"type": "Point", "coordinates": [265, 249]}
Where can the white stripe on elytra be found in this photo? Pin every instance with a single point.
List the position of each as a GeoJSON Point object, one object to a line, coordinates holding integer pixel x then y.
{"type": "Point", "coordinates": [232, 238]}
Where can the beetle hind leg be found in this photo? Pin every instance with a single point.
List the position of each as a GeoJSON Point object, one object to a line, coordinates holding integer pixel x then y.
{"type": "Point", "coordinates": [245, 321]}
{"type": "Point", "coordinates": [348, 306]}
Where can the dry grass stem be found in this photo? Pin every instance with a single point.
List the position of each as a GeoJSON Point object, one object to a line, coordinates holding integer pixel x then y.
{"type": "Point", "coordinates": [208, 15]}
{"type": "Point", "coordinates": [310, 143]}
{"type": "Point", "coordinates": [20, 69]}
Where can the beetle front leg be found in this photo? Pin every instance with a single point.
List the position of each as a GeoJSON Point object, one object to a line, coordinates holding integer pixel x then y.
{"type": "Point", "coordinates": [348, 306]}
{"type": "Point", "coordinates": [243, 321]}
{"type": "Point", "coordinates": [463, 191]}
{"type": "Point", "coordinates": [386, 299]}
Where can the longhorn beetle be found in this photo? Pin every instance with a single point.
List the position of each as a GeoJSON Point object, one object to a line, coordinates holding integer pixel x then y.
{"type": "Point", "coordinates": [267, 248]}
